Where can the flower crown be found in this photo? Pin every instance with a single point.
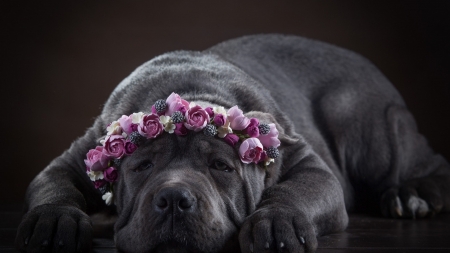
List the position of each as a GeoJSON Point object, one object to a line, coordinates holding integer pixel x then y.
{"type": "Point", "coordinates": [176, 116]}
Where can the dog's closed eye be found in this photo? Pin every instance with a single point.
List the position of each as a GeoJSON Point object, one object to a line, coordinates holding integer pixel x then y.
{"type": "Point", "coordinates": [219, 165]}
{"type": "Point", "coordinates": [145, 165]}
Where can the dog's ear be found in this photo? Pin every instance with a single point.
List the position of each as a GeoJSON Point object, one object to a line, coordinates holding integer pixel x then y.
{"type": "Point", "coordinates": [263, 117]}
{"type": "Point", "coordinates": [273, 170]}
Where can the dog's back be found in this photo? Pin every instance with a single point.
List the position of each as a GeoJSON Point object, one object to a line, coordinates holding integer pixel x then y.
{"type": "Point", "coordinates": [344, 107]}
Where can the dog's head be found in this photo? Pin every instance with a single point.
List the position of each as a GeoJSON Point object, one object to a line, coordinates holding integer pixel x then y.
{"type": "Point", "coordinates": [187, 194]}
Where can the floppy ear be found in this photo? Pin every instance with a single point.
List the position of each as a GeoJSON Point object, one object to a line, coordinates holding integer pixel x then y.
{"type": "Point", "coordinates": [263, 117]}
{"type": "Point", "coordinates": [273, 170]}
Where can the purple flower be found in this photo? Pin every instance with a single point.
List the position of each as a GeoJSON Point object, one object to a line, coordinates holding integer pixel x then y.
{"type": "Point", "coordinates": [150, 126]}
{"type": "Point", "coordinates": [110, 174]}
{"type": "Point", "coordinates": [96, 159]}
{"type": "Point", "coordinates": [251, 150]}
{"type": "Point", "coordinates": [130, 123]}
{"type": "Point", "coordinates": [263, 156]}
{"type": "Point", "coordinates": [182, 109]}
{"type": "Point", "coordinates": [219, 120]}
{"type": "Point", "coordinates": [175, 103]}
{"type": "Point", "coordinates": [180, 129]}
{"type": "Point", "coordinates": [114, 146]}
{"type": "Point", "coordinates": [196, 118]}
{"type": "Point", "coordinates": [99, 183]}
{"type": "Point", "coordinates": [134, 127]}
{"type": "Point", "coordinates": [130, 147]}
{"type": "Point", "coordinates": [231, 139]}
{"type": "Point", "coordinates": [237, 119]}
{"type": "Point", "coordinates": [252, 129]}
{"type": "Point", "coordinates": [270, 139]}
{"type": "Point", "coordinates": [210, 111]}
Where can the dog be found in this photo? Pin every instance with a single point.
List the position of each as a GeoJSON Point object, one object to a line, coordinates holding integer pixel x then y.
{"type": "Point", "coordinates": [344, 137]}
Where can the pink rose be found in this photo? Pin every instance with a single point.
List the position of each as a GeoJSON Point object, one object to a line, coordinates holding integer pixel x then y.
{"type": "Point", "coordinates": [114, 146]}
{"type": "Point", "coordinates": [237, 119]}
{"type": "Point", "coordinates": [231, 139]}
{"type": "Point", "coordinates": [196, 118]}
{"type": "Point", "coordinates": [219, 120]}
{"type": "Point", "coordinates": [251, 150]}
{"type": "Point", "coordinates": [99, 183]}
{"type": "Point", "coordinates": [270, 139]}
{"type": "Point", "coordinates": [96, 159]}
{"type": "Point", "coordinates": [180, 129]}
{"type": "Point", "coordinates": [110, 174]}
{"type": "Point", "coordinates": [130, 147]}
{"type": "Point", "coordinates": [126, 124]}
{"type": "Point", "coordinates": [252, 129]}
{"type": "Point", "coordinates": [150, 126]}
{"type": "Point", "coordinates": [175, 103]}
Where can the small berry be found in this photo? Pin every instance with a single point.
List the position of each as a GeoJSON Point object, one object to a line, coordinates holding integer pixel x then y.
{"type": "Point", "coordinates": [177, 117]}
{"type": "Point", "coordinates": [104, 189]}
{"type": "Point", "coordinates": [117, 162]}
{"type": "Point", "coordinates": [210, 130]}
{"type": "Point", "coordinates": [136, 138]}
{"type": "Point", "coordinates": [160, 106]}
{"type": "Point", "coordinates": [264, 128]}
{"type": "Point", "coordinates": [272, 152]}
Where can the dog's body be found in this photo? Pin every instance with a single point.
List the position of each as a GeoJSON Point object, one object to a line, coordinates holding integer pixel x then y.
{"type": "Point", "coordinates": [346, 137]}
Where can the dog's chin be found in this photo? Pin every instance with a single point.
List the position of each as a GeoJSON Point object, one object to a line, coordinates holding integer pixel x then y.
{"type": "Point", "coordinates": [174, 247]}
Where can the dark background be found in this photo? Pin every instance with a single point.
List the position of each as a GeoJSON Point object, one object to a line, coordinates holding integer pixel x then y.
{"type": "Point", "coordinates": [59, 62]}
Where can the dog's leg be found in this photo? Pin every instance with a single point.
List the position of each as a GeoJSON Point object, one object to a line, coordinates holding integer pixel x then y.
{"type": "Point", "coordinates": [418, 184]}
{"type": "Point", "coordinates": [57, 201]}
{"type": "Point", "coordinates": [306, 202]}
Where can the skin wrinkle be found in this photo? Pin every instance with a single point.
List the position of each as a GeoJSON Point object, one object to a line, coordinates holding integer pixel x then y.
{"type": "Point", "coordinates": [233, 213]}
{"type": "Point", "coordinates": [132, 199]}
{"type": "Point", "coordinates": [229, 206]}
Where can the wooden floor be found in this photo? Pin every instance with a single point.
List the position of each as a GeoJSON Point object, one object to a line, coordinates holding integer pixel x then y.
{"type": "Point", "coordinates": [364, 234]}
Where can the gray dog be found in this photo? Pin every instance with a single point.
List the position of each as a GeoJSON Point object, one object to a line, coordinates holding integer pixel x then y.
{"type": "Point", "coordinates": [348, 142]}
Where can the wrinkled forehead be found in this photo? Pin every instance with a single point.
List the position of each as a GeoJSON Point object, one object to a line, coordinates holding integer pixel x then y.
{"type": "Point", "coordinates": [195, 148]}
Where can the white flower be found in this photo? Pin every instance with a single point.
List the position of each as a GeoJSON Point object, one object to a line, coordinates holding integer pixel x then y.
{"type": "Point", "coordinates": [108, 198]}
{"type": "Point", "coordinates": [192, 104]}
{"type": "Point", "coordinates": [170, 128]}
{"type": "Point", "coordinates": [224, 130]}
{"type": "Point", "coordinates": [164, 119]}
{"type": "Point", "coordinates": [220, 110]}
{"type": "Point", "coordinates": [268, 160]}
{"type": "Point", "coordinates": [114, 128]}
{"type": "Point", "coordinates": [95, 175]}
{"type": "Point", "coordinates": [136, 117]}
{"type": "Point", "coordinates": [167, 123]}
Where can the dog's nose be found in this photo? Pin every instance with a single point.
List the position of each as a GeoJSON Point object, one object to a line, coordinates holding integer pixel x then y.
{"type": "Point", "coordinates": [176, 199]}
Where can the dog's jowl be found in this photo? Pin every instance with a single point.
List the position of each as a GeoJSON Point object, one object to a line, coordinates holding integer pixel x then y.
{"type": "Point", "coordinates": [258, 144]}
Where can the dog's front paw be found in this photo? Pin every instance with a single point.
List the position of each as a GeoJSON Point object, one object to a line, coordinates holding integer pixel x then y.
{"type": "Point", "coordinates": [54, 228]}
{"type": "Point", "coordinates": [415, 199]}
{"type": "Point", "coordinates": [277, 229]}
